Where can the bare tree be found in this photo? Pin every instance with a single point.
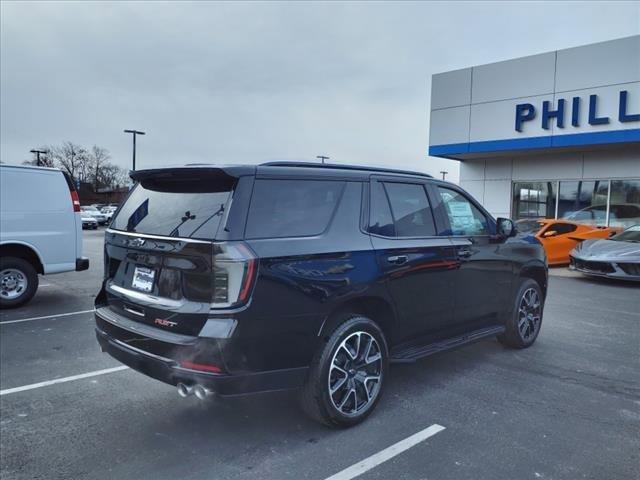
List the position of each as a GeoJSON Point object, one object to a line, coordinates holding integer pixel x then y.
{"type": "Point", "coordinates": [85, 165]}
{"type": "Point", "coordinates": [98, 160]}
{"type": "Point", "coordinates": [72, 158]}
{"type": "Point", "coordinates": [114, 176]}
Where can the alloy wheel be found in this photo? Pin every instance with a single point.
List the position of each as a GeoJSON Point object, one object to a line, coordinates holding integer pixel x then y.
{"type": "Point", "coordinates": [529, 314]}
{"type": "Point", "coordinates": [355, 373]}
{"type": "Point", "coordinates": [13, 283]}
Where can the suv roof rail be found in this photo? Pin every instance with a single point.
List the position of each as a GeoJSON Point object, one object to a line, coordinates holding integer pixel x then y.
{"type": "Point", "coordinates": [342, 167]}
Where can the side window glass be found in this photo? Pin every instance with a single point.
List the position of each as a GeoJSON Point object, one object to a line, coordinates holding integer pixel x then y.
{"type": "Point", "coordinates": [412, 215]}
{"type": "Point", "coordinates": [464, 217]}
{"type": "Point", "coordinates": [381, 222]}
{"type": "Point", "coordinates": [562, 228]}
{"type": "Point", "coordinates": [291, 208]}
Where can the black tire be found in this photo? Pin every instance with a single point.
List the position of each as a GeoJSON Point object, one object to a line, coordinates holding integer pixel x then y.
{"type": "Point", "coordinates": [27, 271]}
{"type": "Point", "coordinates": [316, 399]}
{"type": "Point", "coordinates": [525, 321]}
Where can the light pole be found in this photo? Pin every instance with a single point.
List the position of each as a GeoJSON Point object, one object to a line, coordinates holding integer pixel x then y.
{"type": "Point", "coordinates": [135, 133]}
{"type": "Point", "coordinates": [37, 152]}
{"type": "Point", "coordinates": [444, 173]}
{"type": "Point", "coordinates": [323, 158]}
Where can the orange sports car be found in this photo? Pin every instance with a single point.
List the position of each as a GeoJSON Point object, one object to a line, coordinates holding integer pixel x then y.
{"type": "Point", "coordinates": [560, 236]}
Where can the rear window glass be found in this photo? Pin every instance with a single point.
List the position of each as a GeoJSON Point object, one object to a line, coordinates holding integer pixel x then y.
{"type": "Point", "coordinates": [292, 208]}
{"type": "Point", "coordinates": [173, 213]}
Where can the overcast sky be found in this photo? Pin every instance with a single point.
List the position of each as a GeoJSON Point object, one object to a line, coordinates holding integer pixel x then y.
{"type": "Point", "coordinates": [249, 82]}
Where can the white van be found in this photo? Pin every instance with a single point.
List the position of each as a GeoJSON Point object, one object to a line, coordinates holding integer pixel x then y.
{"type": "Point", "coordinates": [40, 230]}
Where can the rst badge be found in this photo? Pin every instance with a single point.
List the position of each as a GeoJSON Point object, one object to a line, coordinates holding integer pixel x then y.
{"type": "Point", "coordinates": [165, 323]}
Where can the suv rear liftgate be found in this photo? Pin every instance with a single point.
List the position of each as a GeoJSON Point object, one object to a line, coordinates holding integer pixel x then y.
{"type": "Point", "coordinates": [171, 278]}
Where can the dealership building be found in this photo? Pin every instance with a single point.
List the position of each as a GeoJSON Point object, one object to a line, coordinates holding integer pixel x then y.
{"type": "Point", "coordinates": [551, 135]}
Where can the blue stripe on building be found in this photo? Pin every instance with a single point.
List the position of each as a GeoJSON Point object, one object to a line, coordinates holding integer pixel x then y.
{"type": "Point", "coordinates": [531, 143]}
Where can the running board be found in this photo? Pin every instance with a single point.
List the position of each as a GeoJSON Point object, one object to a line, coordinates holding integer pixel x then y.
{"type": "Point", "coordinates": [413, 353]}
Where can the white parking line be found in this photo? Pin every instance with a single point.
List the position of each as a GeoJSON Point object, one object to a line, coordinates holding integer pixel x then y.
{"type": "Point", "coordinates": [62, 380]}
{"type": "Point", "coordinates": [386, 454]}
{"type": "Point", "coordinates": [46, 316]}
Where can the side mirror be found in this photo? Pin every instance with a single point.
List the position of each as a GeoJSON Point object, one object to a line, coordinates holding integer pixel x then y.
{"type": "Point", "coordinates": [506, 227]}
{"type": "Point", "coordinates": [550, 233]}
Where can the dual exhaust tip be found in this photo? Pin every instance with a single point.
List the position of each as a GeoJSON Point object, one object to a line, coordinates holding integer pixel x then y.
{"type": "Point", "coordinates": [198, 390]}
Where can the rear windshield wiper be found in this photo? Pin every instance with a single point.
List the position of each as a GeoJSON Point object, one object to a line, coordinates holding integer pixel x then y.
{"type": "Point", "coordinates": [218, 212]}
{"type": "Point", "coordinates": [187, 216]}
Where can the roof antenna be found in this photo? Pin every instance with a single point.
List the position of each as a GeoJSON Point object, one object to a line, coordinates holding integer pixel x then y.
{"type": "Point", "coordinates": [323, 158]}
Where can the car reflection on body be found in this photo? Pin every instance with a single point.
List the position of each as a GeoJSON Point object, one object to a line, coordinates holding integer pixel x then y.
{"type": "Point", "coordinates": [616, 257]}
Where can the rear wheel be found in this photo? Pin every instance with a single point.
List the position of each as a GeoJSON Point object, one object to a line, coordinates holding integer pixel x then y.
{"type": "Point", "coordinates": [523, 327]}
{"type": "Point", "coordinates": [347, 374]}
{"type": "Point", "coordinates": [18, 282]}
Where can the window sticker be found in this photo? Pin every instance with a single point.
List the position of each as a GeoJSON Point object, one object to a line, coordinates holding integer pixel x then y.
{"type": "Point", "coordinates": [460, 215]}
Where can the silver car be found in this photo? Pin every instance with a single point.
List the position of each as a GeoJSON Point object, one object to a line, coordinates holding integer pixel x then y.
{"type": "Point", "coordinates": [100, 217]}
{"type": "Point", "coordinates": [615, 257]}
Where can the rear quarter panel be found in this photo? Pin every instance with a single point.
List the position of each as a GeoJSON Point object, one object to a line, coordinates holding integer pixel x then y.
{"type": "Point", "coordinates": [300, 282]}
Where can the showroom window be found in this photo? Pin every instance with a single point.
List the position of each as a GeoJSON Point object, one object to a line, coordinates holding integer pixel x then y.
{"type": "Point", "coordinates": [534, 200]}
{"type": "Point", "coordinates": [584, 201]}
{"type": "Point", "coordinates": [614, 203]}
{"type": "Point", "coordinates": [624, 207]}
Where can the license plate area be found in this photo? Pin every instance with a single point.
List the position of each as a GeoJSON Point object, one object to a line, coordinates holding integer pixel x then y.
{"type": "Point", "coordinates": [143, 278]}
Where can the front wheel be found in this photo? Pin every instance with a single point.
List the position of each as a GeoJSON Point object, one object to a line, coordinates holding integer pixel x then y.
{"type": "Point", "coordinates": [18, 282]}
{"type": "Point", "coordinates": [523, 326]}
{"type": "Point", "coordinates": [347, 374]}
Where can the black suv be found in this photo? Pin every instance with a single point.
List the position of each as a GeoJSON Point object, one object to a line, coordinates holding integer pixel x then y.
{"type": "Point", "coordinates": [229, 280]}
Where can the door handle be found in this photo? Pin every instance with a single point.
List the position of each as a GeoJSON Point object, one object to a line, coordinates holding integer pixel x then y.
{"type": "Point", "coordinates": [464, 252]}
{"type": "Point", "coordinates": [398, 259]}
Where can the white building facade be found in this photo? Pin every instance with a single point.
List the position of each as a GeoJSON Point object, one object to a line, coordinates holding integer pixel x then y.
{"type": "Point", "coordinates": [550, 135]}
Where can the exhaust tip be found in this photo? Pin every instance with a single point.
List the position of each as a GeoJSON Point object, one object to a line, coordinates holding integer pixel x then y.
{"type": "Point", "coordinates": [184, 390]}
{"type": "Point", "coordinates": [201, 392]}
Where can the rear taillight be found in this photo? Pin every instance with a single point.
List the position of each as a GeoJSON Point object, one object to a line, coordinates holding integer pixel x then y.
{"type": "Point", "coordinates": [202, 367]}
{"type": "Point", "coordinates": [75, 200]}
{"type": "Point", "coordinates": [234, 271]}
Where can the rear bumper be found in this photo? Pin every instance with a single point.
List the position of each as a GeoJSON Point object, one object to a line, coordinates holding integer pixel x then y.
{"type": "Point", "coordinates": [82, 264]}
{"type": "Point", "coordinates": [169, 371]}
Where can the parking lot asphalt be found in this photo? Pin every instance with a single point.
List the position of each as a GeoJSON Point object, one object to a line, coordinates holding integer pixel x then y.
{"type": "Point", "coordinates": [566, 408]}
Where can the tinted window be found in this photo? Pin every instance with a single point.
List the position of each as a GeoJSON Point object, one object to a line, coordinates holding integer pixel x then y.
{"type": "Point", "coordinates": [629, 235]}
{"type": "Point", "coordinates": [291, 208]}
{"type": "Point", "coordinates": [172, 213]}
{"type": "Point", "coordinates": [410, 208]}
{"type": "Point", "coordinates": [381, 219]}
{"type": "Point", "coordinates": [464, 216]}
{"type": "Point", "coordinates": [561, 228]}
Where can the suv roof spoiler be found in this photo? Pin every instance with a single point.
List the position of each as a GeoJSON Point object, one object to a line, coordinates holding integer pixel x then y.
{"type": "Point", "coordinates": [192, 170]}
{"type": "Point", "coordinates": [343, 167]}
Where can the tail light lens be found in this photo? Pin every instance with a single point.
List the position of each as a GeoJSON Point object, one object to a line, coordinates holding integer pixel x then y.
{"type": "Point", "coordinates": [234, 271]}
{"type": "Point", "coordinates": [202, 367]}
{"type": "Point", "coordinates": [75, 200]}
